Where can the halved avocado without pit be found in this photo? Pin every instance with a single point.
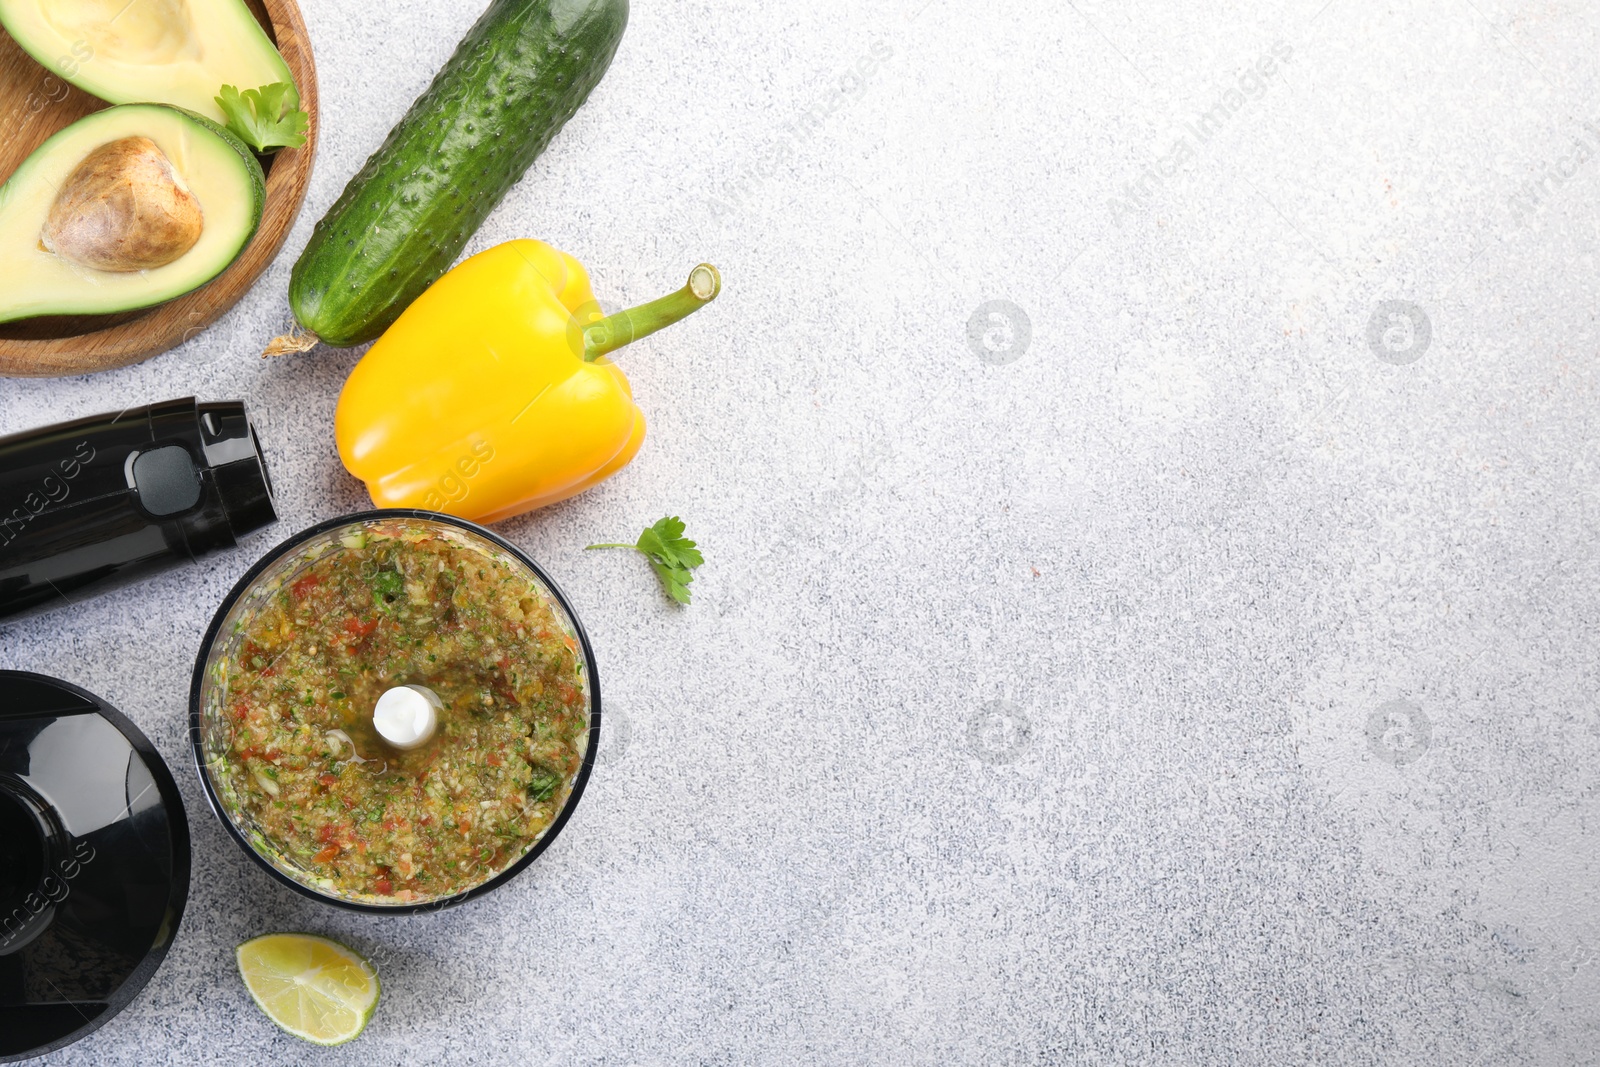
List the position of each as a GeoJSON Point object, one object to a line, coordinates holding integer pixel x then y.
{"type": "Point", "coordinates": [178, 52]}
{"type": "Point", "coordinates": [124, 209]}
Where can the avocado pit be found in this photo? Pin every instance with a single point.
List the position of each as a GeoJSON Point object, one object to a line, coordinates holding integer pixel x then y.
{"type": "Point", "coordinates": [124, 208]}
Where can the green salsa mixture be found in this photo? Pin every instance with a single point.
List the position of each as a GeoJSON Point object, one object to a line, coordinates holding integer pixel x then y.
{"type": "Point", "coordinates": [290, 733]}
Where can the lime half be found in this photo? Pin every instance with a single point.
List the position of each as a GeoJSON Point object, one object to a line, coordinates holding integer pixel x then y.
{"type": "Point", "coordinates": [313, 987]}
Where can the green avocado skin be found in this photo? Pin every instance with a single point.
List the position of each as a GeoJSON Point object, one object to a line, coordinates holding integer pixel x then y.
{"type": "Point", "coordinates": [515, 79]}
{"type": "Point", "coordinates": [247, 160]}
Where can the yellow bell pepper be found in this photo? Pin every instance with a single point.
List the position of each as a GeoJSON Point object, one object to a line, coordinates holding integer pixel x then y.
{"type": "Point", "coordinates": [492, 394]}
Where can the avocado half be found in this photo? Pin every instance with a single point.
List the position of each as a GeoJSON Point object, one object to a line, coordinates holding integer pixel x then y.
{"type": "Point", "coordinates": [179, 52]}
{"type": "Point", "coordinates": [126, 208]}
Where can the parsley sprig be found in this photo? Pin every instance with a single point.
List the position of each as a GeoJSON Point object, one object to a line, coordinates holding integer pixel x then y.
{"type": "Point", "coordinates": [672, 556]}
{"type": "Point", "coordinates": [266, 119]}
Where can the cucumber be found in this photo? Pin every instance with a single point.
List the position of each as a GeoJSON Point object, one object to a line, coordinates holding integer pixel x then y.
{"type": "Point", "coordinates": [518, 75]}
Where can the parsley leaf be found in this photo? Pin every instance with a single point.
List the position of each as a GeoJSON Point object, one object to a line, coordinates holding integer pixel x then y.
{"type": "Point", "coordinates": [672, 556]}
{"type": "Point", "coordinates": [266, 119]}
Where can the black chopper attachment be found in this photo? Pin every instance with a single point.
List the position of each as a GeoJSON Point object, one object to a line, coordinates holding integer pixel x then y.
{"type": "Point", "coordinates": [94, 863]}
{"type": "Point", "coordinates": [92, 504]}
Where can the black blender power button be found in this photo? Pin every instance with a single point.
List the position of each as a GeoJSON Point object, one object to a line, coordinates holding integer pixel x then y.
{"type": "Point", "coordinates": [166, 480]}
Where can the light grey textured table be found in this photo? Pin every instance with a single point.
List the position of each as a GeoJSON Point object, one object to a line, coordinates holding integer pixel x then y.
{"type": "Point", "coordinates": [1200, 670]}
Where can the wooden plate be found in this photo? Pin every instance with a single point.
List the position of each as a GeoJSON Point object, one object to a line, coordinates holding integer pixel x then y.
{"type": "Point", "coordinates": [41, 103]}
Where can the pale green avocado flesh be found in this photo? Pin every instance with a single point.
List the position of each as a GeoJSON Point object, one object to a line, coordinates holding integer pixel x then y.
{"type": "Point", "coordinates": [179, 52]}
{"type": "Point", "coordinates": [209, 165]}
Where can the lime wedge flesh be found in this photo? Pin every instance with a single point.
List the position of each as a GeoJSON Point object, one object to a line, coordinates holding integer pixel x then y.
{"type": "Point", "coordinates": [313, 987]}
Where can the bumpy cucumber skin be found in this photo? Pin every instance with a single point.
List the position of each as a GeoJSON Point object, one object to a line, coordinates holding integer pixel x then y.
{"type": "Point", "coordinates": [515, 79]}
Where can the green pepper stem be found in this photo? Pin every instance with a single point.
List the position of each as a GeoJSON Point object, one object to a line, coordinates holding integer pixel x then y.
{"type": "Point", "coordinates": [625, 327]}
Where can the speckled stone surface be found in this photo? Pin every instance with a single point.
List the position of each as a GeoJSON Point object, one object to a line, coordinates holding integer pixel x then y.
{"type": "Point", "coordinates": [1189, 659]}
